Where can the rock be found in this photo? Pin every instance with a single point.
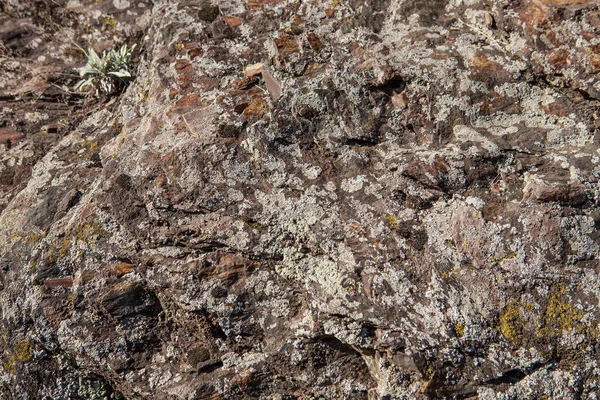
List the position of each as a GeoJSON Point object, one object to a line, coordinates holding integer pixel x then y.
{"type": "Point", "coordinates": [8, 136]}
{"type": "Point", "coordinates": [286, 46]}
{"type": "Point", "coordinates": [541, 190]}
{"type": "Point", "coordinates": [379, 199]}
{"type": "Point", "coordinates": [272, 84]}
{"type": "Point", "coordinates": [233, 21]}
{"type": "Point", "coordinates": [254, 69]}
{"type": "Point", "coordinates": [258, 107]}
{"type": "Point", "coordinates": [59, 282]}
{"type": "Point", "coordinates": [126, 299]}
{"type": "Point", "coordinates": [399, 100]}
{"type": "Point", "coordinates": [208, 12]}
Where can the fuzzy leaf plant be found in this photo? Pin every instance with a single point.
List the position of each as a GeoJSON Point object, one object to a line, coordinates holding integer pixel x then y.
{"type": "Point", "coordinates": [106, 74]}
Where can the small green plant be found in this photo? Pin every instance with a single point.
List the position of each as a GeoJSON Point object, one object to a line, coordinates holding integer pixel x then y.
{"type": "Point", "coordinates": [108, 74]}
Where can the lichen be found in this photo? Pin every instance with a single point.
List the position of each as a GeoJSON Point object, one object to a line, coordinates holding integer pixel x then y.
{"type": "Point", "coordinates": [511, 322]}
{"type": "Point", "coordinates": [9, 366]}
{"type": "Point", "coordinates": [429, 373]}
{"type": "Point", "coordinates": [459, 329]}
{"type": "Point", "coordinates": [392, 221]}
{"type": "Point", "coordinates": [88, 148]}
{"type": "Point", "coordinates": [82, 234]}
{"type": "Point", "coordinates": [23, 351]}
{"type": "Point", "coordinates": [110, 21]}
{"type": "Point", "coordinates": [559, 316]}
{"type": "Point", "coordinates": [27, 237]}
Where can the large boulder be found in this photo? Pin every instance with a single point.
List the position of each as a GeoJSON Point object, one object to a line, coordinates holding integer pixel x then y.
{"type": "Point", "coordinates": [388, 199]}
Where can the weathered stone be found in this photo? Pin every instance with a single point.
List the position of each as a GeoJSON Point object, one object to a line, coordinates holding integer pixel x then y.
{"type": "Point", "coordinates": [8, 136]}
{"type": "Point", "coordinates": [361, 199]}
{"type": "Point", "coordinates": [208, 12]}
{"type": "Point", "coordinates": [254, 69]}
{"type": "Point", "coordinates": [258, 107]}
{"type": "Point", "coordinates": [272, 84]}
{"type": "Point", "coordinates": [127, 299]}
{"type": "Point", "coordinates": [538, 189]}
{"type": "Point", "coordinates": [286, 46]}
{"type": "Point", "coordinates": [233, 21]}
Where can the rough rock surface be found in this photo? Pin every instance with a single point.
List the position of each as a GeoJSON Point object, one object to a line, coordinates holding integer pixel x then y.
{"type": "Point", "coordinates": [402, 203]}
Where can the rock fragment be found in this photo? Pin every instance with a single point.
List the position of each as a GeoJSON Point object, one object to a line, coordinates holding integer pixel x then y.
{"type": "Point", "coordinates": [254, 69]}
{"type": "Point", "coordinates": [272, 84]}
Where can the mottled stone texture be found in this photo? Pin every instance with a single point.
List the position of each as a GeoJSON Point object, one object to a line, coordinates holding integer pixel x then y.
{"type": "Point", "coordinates": [400, 203]}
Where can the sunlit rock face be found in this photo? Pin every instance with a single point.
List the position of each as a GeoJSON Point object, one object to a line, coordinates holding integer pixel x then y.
{"type": "Point", "coordinates": [347, 199]}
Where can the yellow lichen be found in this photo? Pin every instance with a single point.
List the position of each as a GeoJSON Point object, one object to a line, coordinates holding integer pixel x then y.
{"type": "Point", "coordinates": [64, 248]}
{"type": "Point", "coordinates": [88, 233]}
{"type": "Point", "coordinates": [89, 147]}
{"type": "Point", "coordinates": [23, 351]}
{"type": "Point", "coordinates": [73, 52]}
{"type": "Point", "coordinates": [459, 329]}
{"type": "Point", "coordinates": [145, 96]}
{"type": "Point", "coordinates": [59, 250]}
{"type": "Point", "coordinates": [252, 224]}
{"type": "Point", "coordinates": [560, 315]}
{"type": "Point", "coordinates": [83, 234]}
{"type": "Point", "coordinates": [391, 219]}
{"type": "Point", "coordinates": [511, 323]}
{"type": "Point", "coordinates": [506, 257]}
{"type": "Point", "coordinates": [351, 287]}
{"type": "Point", "coordinates": [527, 306]}
{"type": "Point", "coordinates": [429, 373]}
{"type": "Point", "coordinates": [9, 366]}
{"type": "Point", "coordinates": [27, 237]}
{"type": "Point", "coordinates": [110, 21]}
